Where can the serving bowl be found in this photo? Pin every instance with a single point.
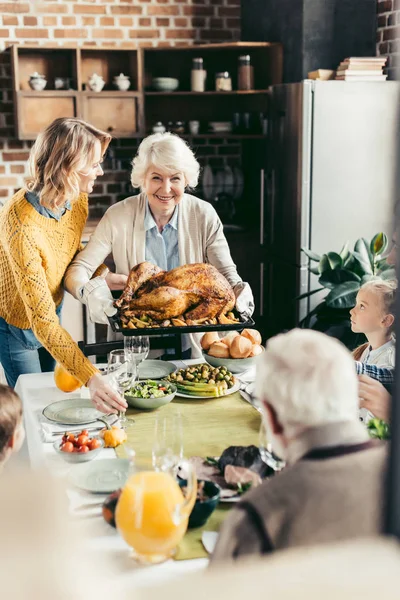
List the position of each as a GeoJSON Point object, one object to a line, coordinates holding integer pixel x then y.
{"type": "Point", "coordinates": [78, 457]}
{"type": "Point", "coordinates": [202, 510]}
{"type": "Point", "coordinates": [151, 403]}
{"type": "Point", "coordinates": [234, 365]}
{"type": "Point", "coordinates": [165, 84]}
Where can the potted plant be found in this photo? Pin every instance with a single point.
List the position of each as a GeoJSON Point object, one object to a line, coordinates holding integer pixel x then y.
{"type": "Point", "coordinates": [342, 274]}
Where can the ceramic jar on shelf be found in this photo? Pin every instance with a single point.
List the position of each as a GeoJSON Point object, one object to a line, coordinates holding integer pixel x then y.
{"type": "Point", "coordinates": [37, 82]}
{"type": "Point", "coordinates": [96, 82]}
{"type": "Point", "coordinates": [122, 82]}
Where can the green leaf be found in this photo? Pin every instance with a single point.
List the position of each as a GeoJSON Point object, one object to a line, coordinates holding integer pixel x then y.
{"type": "Point", "coordinates": [378, 429]}
{"type": "Point", "coordinates": [363, 249]}
{"type": "Point", "coordinates": [388, 275]}
{"type": "Point", "coordinates": [314, 270]}
{"type": "Point", "coordinates": [324, 264]}
{"type": "Point", "coordinates": [307, 294]}
{"type": "Point", "coordinates": [344, 295]}
{"type": "Point", "coordinates": [345, 252]}
{"type": "Point", "coordinates": [330, 279]}
{"type": "Point", "coordinates": [366, 278]}
{"type": "Point", "coordinates": [362, 265]}
{"type": "Point", "coordinates": [311, 255]}
{"type": "Point", "coordinates": [379, 243]}
{"type": "Point", "coordinates": [335, 260]}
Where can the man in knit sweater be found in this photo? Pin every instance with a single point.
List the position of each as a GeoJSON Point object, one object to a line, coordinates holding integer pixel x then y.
{"type": "Point", "coordinates": [331, 488]}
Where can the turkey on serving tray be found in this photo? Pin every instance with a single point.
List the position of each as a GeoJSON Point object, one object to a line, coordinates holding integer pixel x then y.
{"type": "Point", "coordinates": [198, 291]}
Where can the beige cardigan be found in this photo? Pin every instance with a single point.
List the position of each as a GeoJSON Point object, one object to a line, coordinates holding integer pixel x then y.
{"type": "Point", "coordinates": [121, 233]}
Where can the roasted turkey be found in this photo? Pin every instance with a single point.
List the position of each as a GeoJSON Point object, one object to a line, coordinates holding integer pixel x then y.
{"type": "Point", "coordinates": [198, 291]}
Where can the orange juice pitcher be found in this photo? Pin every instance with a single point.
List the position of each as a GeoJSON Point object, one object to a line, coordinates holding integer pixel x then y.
{"type": "Point", "coordinates": [152, 513]}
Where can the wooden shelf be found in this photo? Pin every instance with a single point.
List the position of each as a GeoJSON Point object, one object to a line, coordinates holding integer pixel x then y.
{"type": "Point", "coordinates": [229, 136]}
{"type": "Point", "coordinates": [112, 93]}
{"type": "Point", "coordinates": [209, 93]}
{"type": "Point", "coordinates": [47, 93]}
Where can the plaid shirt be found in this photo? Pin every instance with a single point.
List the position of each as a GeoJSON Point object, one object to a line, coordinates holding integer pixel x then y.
{"type": "Point", "coordinates": [382, 374]}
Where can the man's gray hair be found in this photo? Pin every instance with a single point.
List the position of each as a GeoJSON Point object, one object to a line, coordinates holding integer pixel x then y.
{"type": "Point", "coordinates": [309, 379]}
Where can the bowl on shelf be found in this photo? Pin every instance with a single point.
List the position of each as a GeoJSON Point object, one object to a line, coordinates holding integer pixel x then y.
{"type": "Point", "coordinates": [165, 84]}
{"type": "Point", "coordinates": [205, 504]}
{"type": "Point", "coordinates": [150, 403]}
{"type": "Point", "coordinates": [78, 457]}
{"type": "Point", "coordinates": [234, 365]}
{"type": "Point", "coordinates": [220, 126]}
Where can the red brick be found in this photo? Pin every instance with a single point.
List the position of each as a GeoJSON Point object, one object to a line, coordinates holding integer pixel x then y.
{"type": "Point", "coordinates": [49, 21]}
{"type": "Point", "coordinates": [2, 170]}
{"type": "Point", "coordinates": [126, 10]}
{"type": "Point", "coordinates": [233, 23]}
{"type": "Point", "coordinates": [198, 22]}
{"type": "Point", "coordinates": [17, 169]}
{"type": "Point", "coordinates": [218, 23]}
{"type": "Point", "coordinates": [31, 21]}
{"type": "Point", "coordinates": [88, 21]}
{"type": "Point", "coordinates": [15, 156]}
{"type": "Point", "coordinates": [391, 20]}
{"type": "Point", "coordinates": [394, 47]}
{"type": "Point", "coordinates": [125, 21]}
{"type": "Point", "coordinates": [89, 9]}
{"type": "Point", "coordinates": [8, 181]}
{"type": "Point", "coordinates": [10, 20]}
{"type": "Point", "coordinates": [180, 22]}
{"type": "Point", "coordinates": [225, 11]}
{"type": "Point", "coordinates": [186, 34]}
{"type": "Point", "coordinates": [215, 34]}
{"type": "Point", "coordinates": [391, 34]}
{"type": "Point", "coordinates": [144, 33]}
{"type": "Point", "coordinates": [145, 22]}
{"type": "Point", "coordinates": [396, 5]}
{"type": "Point", "coordinates": [50, 8]}
{"type": "Point", "coordinates": [31, 33]}
{"type": "Point", "coordinates": [234, 2]}
{"type": "Point", "coordinates": [107, 33]}
{"type": "Point", "coordinates": [162, 22]}
{"type": "Point", "coordinates": [68, 20]}
{"type": "Point", "coordinates": [201, 11]}
{"type": "Point", "coordinates": [14, 7]}
{"type": "Point", "coordinates": [163, 10]}
{"type": "Point", "coordinates": [107, 21]}
{"type": "Point", "coordinates": [71, 33]}
{"type": "Point", "coordinates": [385, 6]}
{"type": "Point", "coordinates": [4, 193]}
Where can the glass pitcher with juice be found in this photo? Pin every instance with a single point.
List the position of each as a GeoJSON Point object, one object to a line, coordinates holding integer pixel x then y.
{"type": "Point", "coordinates": [152, 513]}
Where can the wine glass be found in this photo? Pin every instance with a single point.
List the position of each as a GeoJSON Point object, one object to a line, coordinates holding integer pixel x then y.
{"type": "Point", "coordinates": [265, 448]}
{"type": "Point", "coordinates": [167, 450]}
{"type": "Point", "coordinates": [123, 372]}
{"type": "Point", "coordinates": [138, 347]}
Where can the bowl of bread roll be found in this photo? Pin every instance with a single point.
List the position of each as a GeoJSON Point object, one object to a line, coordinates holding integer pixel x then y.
{"type": "Point", "coordinates": [236, 351]}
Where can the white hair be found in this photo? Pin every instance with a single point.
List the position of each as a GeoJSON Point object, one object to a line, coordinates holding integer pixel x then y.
{"type": "Point", "coordinates": [308, 378]}
{"type": "Point", "coordinates": [167, 152]}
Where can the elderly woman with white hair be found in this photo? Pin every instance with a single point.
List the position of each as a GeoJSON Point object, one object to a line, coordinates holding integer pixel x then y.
{"type": "Point", "coordinates": [163, 225]}
{"type": "Point", "coordinates": [331, 488]}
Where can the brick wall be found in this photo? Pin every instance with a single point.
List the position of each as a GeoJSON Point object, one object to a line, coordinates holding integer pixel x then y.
{"type": "Point", "coordinates": [120, 23]}
{"type": "Point", "coordinates": [388, 35]}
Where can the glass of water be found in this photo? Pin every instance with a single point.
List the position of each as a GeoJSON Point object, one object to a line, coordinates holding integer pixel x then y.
{"type": "Point", "coordinates": [123, 372]}
{"type": "Point", "coordinates": [167, 450]}
{"type": "Point", "coordinates": [138, 347]}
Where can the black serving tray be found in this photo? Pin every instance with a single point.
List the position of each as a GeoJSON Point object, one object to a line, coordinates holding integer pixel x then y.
{"type": "Point", "coordinates": [116, 327]}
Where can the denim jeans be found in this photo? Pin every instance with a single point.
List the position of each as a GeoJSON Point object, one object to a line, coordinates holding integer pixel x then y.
{"type": "Point", "coordinates": [21, 352]}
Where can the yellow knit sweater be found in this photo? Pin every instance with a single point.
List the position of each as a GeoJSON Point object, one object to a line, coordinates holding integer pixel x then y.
{"type": "Point", "coordinates": [34, 254]}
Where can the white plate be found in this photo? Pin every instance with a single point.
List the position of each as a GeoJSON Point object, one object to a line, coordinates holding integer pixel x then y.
{"type": "Point", "coordinates": [102, 476]}
{"type": "Point", "coordinates": [155, 369]}
{"type": "Point", "coordinates": [72, 411]}
{"type": "Point", "coordinates": [231, 390]}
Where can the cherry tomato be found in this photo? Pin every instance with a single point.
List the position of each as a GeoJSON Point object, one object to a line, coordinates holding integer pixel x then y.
{"type": "Point", "coordinates": [76, 449]}
{"type": "Point", "coordinates": [84, 432]}
{"type": "Point", "coordinates": [67, 447]}
{"type": "Point", "coordinates": [83, 448]}
{"type": "Point", "coordinates": [93, 444]}
{"type": "Point", "coordinates": [71, 437]}
{"type": "Point", "coordinates": [82, 440]}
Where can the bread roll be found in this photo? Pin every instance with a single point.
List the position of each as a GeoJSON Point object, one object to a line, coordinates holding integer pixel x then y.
{"type": "Point", "coordinates": [219, 350]}
{"type": "Point", "coordinates": [208, 339]}
{"type": "Point", "coordinates": [228, 339]}
{"type": "Point", "coordinates": [256, 350]}
{"type": "Point", "coordinates": [253, 335]}
{"type": "Point", "coordinates": [241, 347]}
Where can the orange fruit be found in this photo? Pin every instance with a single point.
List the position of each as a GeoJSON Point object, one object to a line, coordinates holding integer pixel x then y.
{"type": "Point", "coordinates": [64, 381]}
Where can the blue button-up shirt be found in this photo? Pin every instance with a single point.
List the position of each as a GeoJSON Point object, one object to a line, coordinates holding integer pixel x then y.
{"type": "Point", "coordinates": [162, 248]}
{"type": "Point", "coordinates": [33, 199]}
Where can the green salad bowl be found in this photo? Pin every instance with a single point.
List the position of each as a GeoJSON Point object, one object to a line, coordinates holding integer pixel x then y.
{"type": "Point", "coordinates": [135, 401]}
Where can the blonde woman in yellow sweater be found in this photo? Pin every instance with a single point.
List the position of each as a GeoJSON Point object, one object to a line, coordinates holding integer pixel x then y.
{"type": "Point", "coordinates": [41, 229]}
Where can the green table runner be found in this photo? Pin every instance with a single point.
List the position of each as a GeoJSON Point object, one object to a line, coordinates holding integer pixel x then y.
{"type": "Point", "coordinates": [209, 426]}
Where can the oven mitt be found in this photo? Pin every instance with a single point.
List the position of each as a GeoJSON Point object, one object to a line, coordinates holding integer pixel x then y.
{"type": "Point", "coordinates": [99, 301]}
{"type": "Point", "coordinates": [244, 299]}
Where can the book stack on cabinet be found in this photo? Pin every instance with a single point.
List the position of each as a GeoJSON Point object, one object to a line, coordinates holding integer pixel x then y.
{"type": "Point", "coordinates": [366, 68]}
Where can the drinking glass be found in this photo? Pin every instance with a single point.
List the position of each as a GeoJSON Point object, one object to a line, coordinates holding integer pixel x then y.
{"type": "Point", "coordinates": [167, 450]}
{"type": "Point", "coordinates": [138, 346]}
{"type": "Point", "coordinates": [123, 371]}
{"type": "Point", "coordinates": [265, 447]}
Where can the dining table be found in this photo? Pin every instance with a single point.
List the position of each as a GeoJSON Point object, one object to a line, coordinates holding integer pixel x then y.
{"type": "Point", "coordinates": [210, 425]}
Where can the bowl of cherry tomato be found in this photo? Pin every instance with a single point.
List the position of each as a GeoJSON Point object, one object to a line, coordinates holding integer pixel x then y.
{"type": "Point", "coordinates": [78, 448]}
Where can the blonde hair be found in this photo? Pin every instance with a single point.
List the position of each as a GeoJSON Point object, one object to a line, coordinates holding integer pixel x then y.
{"type": "Point", "coordinates": [60, 152]}
{"type": "Point", "coordinates": [168, 152]}
{"type": "Point", "coordinates": [386, 291]}
{"type": "Point", "coordinates": [10, 416]}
